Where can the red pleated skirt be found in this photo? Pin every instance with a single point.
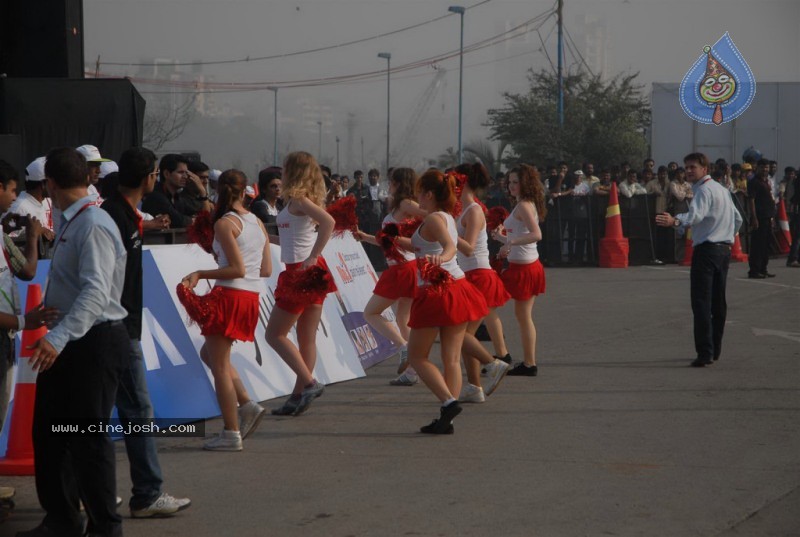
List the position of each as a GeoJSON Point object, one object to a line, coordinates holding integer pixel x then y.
{"type": "Point", "coordinates": [489, 283]}
{"type": "Point", "coordinates": [398, 281]}
{"type": "Point", "coordinates": [223, 311]}
{"type": "Point", "coordinates": [523, 281]}
{"type": "Point", "coordinates": [458, 302]}
{"type": "Point", "coordinates": [295, 298]}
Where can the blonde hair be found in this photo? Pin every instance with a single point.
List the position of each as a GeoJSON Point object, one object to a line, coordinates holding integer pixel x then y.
{"type": "Point", "coordinates": [302, 178]}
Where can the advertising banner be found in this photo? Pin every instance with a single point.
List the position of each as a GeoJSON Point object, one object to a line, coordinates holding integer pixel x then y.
{"type": "Point", "coordinates": [182, 387]}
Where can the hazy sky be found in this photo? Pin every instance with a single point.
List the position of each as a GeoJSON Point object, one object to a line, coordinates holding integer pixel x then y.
{"type": "Point", "coordinates": [658, 38]}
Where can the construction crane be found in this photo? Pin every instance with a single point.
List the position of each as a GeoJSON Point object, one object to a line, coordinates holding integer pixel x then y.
{"type": "Point", "coordinates": [406, 140]}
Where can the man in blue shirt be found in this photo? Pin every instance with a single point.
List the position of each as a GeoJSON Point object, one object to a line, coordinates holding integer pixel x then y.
{"type": "Point", "coordinates": [79, 361]}
{"type": "Point", "coordinates": [714, 221]}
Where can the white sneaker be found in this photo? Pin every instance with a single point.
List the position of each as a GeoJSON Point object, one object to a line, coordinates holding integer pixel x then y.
{"type": "Point", "coordinates": [406, 379]}
{"type": "Point", "coordinates": [165, 505]}
{"type": "Point", "coordinates": [249, 417]}
{"type": "Point", "coordinates": [495, 372]}
{"type": "Point", "coordinates": [471, 394]}
{"type": "Point", "coordinates": [403, 364]}
{"type": "Point", "coordinates": [225, 441]}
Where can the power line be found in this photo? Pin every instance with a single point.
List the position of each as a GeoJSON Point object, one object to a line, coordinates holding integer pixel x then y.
{"type": "Point", "coordinates": [255, 86]}
{"type": "Point", "coordinates": [248, 59]}
{"type": "Point", "coordinates": [569, 37]}
{"type": "Point", "coordinates": [370, 81]}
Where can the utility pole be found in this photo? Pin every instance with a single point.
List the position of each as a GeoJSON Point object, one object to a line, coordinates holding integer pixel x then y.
{"type": "Point", "coordinates": [337, 155]}
{"type": "Point", "coordinates": [319, 142]}
{"type": "Point", "coordinates": [561, 63]}
{"type": "Point", "coordinates": [275, 128]}
{"type": "Point", "coordinates": [460, 11]}
{"type": "Point", "coordinates": [388, 57]}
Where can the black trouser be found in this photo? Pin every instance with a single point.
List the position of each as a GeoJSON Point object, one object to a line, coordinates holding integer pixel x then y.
{"type": "Point", "coordinates": [81, 385]}
{"type": "Point", "coordinates": [760, 239]}
{"type": "Point", "coordinates": [709, 275]}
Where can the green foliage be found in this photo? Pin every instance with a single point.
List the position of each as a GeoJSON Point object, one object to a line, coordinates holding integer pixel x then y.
{"type": "Point", "coordinates": [604, 121]}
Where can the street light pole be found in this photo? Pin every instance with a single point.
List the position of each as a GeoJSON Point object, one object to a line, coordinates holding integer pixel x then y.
{"type": "Point", "coordinates": [275, 128]}
{"type": "Point", "coordinates": [337, 155]}
{"type": "Point", "coordinates": [319, 142]}
{"type": "Point", "coordinates": [388, 58]}
{"type": "Point", "coordinates": [460, 10]}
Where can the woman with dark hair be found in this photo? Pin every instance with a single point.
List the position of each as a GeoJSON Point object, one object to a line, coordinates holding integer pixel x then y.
{"type": "Point", "coordinates": [242, 251]}
{"type": "Point", "coordinates": [305, 229]}
{"type": "Point", "coordinates": [524, 277]}
{"type": "Point", "coordinates": [473, 258]}
{"type": "Point", "coordinates": [398, 282]}
{"type": "Point", "coordinates": [445, 301]}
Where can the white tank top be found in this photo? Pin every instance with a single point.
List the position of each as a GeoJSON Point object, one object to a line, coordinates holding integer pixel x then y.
{"type": "Point", "coordinates": [423, 248]}
{"type": "Point", "coordinates": [525, 253]}
{"type": "Point", "coordinates": [251, 241]}
{"type": "Point", "coordinates": [480, 256]}
{"type": "Point", "coordinates": [297, 235]}
{"type": "Point", "coordinates": [407, 256]}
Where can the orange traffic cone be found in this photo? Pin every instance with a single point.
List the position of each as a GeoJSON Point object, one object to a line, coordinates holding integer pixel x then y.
{"type": "Point", "coordinates": [614, 246]}
{"type": "Point", "coordinates": [688, 250]}
{"type": "Point", "coordinates": [736, 250]}
{"type": "Point", "coordinates": [19, 454]}
{"type": "Point", "coordinates": [783, 234]}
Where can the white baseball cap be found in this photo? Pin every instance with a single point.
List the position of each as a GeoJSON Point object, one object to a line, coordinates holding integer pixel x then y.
{"type": "Point", "coordinates": [213, 175]}
{"type": "Point", "coordinates": [35, 170]}
{"type": "Point", "coordinates": [108, 166]}
{"type": "Point", "coordinates": [578, 172]}
{"type": "Point", "coordinates": [91, 153]}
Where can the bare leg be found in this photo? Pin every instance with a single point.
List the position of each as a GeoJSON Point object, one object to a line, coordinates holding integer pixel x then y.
{"type": "Point", "coordinates": [473, 347]}
{"type": "Point", "coordinates": [403, 313]}
{"type": "Point", "coordinates": [307, 326]}
{"type": "Point", "coordinates": [218, 351]}
{"type": "Point", "coordinates": [420, 342]}
{"type": "Point", "coordinates": [471, 364]}
{"type": "Point", "coordinates": [241, 392]}
{"type": "Point", "coordinates": [452, 339]}
{"type": "Point", "coordinates": [280, 322]}
{"type": "Point", "coordinates": [372, 314]}
{"type": "Point", "coordinates": [523, 309]}
{"type": "Point", "coordinates": [495, 328]}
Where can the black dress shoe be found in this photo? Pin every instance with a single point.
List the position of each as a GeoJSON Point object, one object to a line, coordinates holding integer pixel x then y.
{"type": "Point", "coordinates": [756, 276]}
{"type": "Point", "coordinates": [702, 362]}
{"type": "Point", "coordinates": [769, 275]}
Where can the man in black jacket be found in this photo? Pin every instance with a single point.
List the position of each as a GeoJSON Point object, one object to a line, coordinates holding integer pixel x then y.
{"type": "Point", "coordinates": [137, 175]}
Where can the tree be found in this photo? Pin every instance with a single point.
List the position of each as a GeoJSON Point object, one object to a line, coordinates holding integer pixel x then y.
{"type": "Point", "coordinates": [448, 159]}
{"type": "Point", "coordinates": [165, 121]}
{"type": "Point", "coordinates": [483, 151]}
{"type": "Point", "coordinates": [604, 122]}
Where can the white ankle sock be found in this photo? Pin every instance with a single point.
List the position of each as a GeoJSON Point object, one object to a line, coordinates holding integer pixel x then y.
{"type": "Point", "coordinates": [451, 400]}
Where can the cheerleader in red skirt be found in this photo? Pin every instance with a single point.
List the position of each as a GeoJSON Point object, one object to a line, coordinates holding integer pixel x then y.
{"type": "Point", "coordinates": [524, 277]}
{"type": "Point", "coordinates": [398, 283]}
{"type": "Point", "coordinates": [305, 228]}
{"type": "Point", "coordinates": [473, 258]}
{"type": "Point", "coordinates": [242, 251]}
{"type": "Point", "coordinates": [445, 302]}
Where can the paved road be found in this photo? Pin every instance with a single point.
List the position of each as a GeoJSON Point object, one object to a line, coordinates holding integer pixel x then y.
{"type": "Point", "coordinates": [617, 436]}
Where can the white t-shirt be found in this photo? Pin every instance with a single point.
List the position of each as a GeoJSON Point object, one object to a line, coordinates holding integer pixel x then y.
{"type": "Point", "coordinates": [27, 205]}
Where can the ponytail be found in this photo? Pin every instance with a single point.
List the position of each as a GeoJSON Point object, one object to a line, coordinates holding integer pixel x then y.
{"type": "Point", "coordinates": [442, 186]}
{"type": "Point", "coordinates": [230, 188]}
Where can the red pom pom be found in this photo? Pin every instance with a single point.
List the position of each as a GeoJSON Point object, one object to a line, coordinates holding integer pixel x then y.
{"type": "Point", "coordinates": [303, 286]}
{"type": "Point", "coordinates": [495, 217]}
{"type": "Point", "coordinates": [387, 240]}
{"type": "Point", "coordinates": [201, 231]}
{"type": "Point", "coordinates": [198, 307]}
{"type": "Point", "coordinates": [436, 277]}
{"type": "Point", "coordinates": [407, 228]}
{"type": "Point", "coordinates": [343, 212]}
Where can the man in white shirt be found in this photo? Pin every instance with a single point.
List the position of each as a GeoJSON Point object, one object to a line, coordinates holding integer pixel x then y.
{"type": "Point", "coordinates": [631, 187]}
{"type": "Point", "coordinates": [94, 160]}
{"type": "Point", "coordinates": [32, 202]}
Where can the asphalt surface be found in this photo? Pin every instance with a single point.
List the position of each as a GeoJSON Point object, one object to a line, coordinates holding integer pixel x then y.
{"type": "Point", "coordinates": [617, 436]}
